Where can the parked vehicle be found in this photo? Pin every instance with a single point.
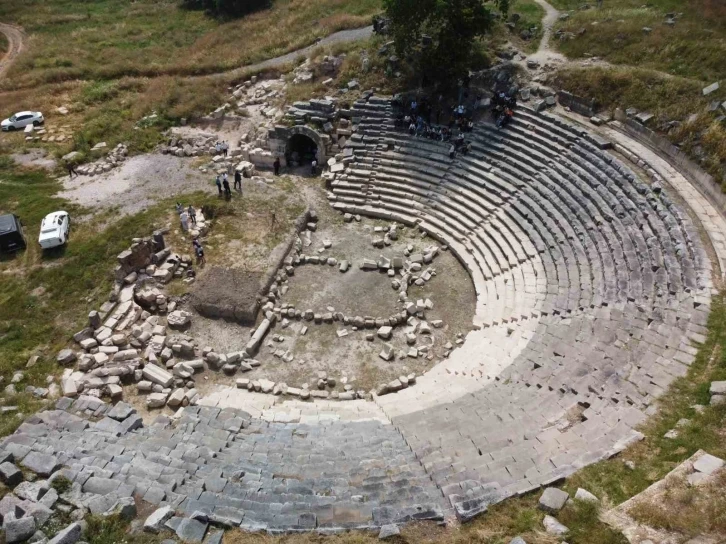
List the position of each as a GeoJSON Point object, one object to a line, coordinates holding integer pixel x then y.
{"type": "Point", "coordinates": [11, 234]}
{"type": "Point", "coordinates": [22, 119]}
{"type": "Point", "coordinates": [54, 230]}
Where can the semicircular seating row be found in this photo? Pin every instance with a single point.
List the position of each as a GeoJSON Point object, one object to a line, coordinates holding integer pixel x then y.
{"type": "Point", "coordinates": [590, 286]}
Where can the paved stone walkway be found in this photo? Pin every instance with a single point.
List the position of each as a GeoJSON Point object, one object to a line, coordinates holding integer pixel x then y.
{"type": "Point", "coordinates": [240, 471]}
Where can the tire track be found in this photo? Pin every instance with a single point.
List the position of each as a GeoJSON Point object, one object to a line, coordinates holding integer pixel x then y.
{"type": "Point", "coordinates": [15, 46]}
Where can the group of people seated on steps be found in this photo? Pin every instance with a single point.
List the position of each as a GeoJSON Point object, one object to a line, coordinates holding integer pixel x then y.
{"type": "Point", "coordinates": [422, 120]}
{"type": "Point", "coordinates": [503, 106]}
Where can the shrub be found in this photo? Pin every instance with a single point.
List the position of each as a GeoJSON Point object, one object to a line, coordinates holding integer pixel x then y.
{"type": "Point", "coordinates": [227, 8]}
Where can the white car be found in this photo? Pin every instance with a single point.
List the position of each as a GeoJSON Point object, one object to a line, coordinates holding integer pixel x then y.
{"type": "Point", "coordinates": [22, 119]}
{"type": "Point", "coordinates": [54, 230]}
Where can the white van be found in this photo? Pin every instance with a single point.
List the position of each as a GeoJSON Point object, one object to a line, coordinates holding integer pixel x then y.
{"type": "Point", "coordinates": [54, 230]}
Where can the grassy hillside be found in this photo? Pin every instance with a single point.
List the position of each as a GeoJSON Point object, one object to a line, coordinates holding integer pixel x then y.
{"type": "Point", "coordinates": [114, 38]}
{"type": "Point", "coordinates": [661, 67]}
{"type": "Point", "coordinates": [693, 47]}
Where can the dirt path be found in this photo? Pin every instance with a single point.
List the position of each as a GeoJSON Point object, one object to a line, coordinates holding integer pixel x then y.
{"type": "Point", "coordinates": [15, 46]}
{"type": "Point", "coordinates": [550, 18]}
{"type": "Point", "coordinates": [544, 53]}
{"type": "Point", "coordinates": [546, 58]}
{"type": "Point", "coordinates": [343, 36]}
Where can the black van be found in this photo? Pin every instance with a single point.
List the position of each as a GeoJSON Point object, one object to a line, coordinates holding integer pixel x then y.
{"type": "Point", "coordinates": [11, 234]}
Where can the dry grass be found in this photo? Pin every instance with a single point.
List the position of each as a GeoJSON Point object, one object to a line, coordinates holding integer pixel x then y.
{"type": "Point", "coordinates": [108, 111]}
{"type": "Point", "coordinates": [689, 511]}
{"type": "Point", "coordinates": [694, 47]}
{"type": "Point", "coordinates": [699, 132]}
{"type": "Point", "coordinates": [107, 39]}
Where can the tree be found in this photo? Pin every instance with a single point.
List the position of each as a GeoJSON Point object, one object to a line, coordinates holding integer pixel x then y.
{"type": "Point", "coordinates": [227, 8]}
{"type": "Point", "coordinates": [440, 35]}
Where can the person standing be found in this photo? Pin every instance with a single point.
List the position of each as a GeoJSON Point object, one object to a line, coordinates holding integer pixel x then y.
{"type": "Point", "coordinates": [218, 148]}
{"type": "Point", "coordinates": [227, 191]}
{"type": "Point", "coordinates": [314, 167]}
{"type": "Point", "coordinates": [238, 180]}
{"type": "Point", "coordinates": [199, 251]}
{"type": "Point", "coordinates": [218, 181]}
{"type": "Point", "coordinates": [225, 148]}
{"type": "Point", "coordinates": [184, 218]}
{"type": "Point", "coordinates": [192, 214]}
{"type": "Point", "coordinates": [71, 169]}
{"type": "Point", "coordinates": [276, 166]}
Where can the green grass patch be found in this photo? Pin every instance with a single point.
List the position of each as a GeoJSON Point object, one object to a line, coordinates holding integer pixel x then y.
{"type": "Point", "coordinates": [528, 24]}
{"type": "Point", "coordinates": [114, 530]}
{"type": "Point", "coordinates": [110, 39]}
{"type": "Point", "coordinates": [689, 511]}
{"type": "Point", "coordinates": [45, 296]}
{"type": "Point", "coordinates": [61, 484]}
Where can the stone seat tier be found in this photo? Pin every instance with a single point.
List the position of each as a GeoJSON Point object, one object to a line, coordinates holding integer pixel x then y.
{"type": "Point", "coordinates": [515, 251]}
{"type": "Point", "coordinates": [242, 471]}
{"type": "Point", "coordinates": [633, 186]}
{"type": "Point", "coordinates": [632, 266]}
{"type": "Point", "coordinates": [608, 339]}
{"type": "Point", "coordinates": [510, 251]}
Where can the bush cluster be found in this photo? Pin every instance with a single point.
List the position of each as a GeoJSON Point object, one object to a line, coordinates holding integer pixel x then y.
{"type": "Point", "coordinates": [227, 8]}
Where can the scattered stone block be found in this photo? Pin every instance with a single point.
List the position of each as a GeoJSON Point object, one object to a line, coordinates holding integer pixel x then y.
{"type": "Point", "coordinates": [156, 520]}
{"type": "Point", "coordinates": [388, 531]}
{"type": "Point", "coordinates": [387, 352]}
{"type": "Point", "coordinates": [156, 400]}
{"type": "Point", "coordinates": [156, 374]}
{"type": "Point", "coordinates": [584, 495]}
{"type": "Point", "coordinates": [711, 89]}
{"type": "Point", "coordinates": [708, 464]}
{"type": "Point", "coordinates": [10, 474]}
{"type": "Point", "coordinates": [41, 463]}
{"type": "Point", "coordinates": [69, 535]}
{"type": "Point", "coordinates": [554, 527]}
{"type": "Point", "coordinates": [66, 356]}
{"type": "Point", "coordinates": [19, 530]}
{"type": "Point", "coordinates": [191, 530]}
{"type": "Point", "coordinates": [552, 500]}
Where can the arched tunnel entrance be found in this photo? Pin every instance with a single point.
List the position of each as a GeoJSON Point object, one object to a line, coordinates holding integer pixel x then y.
{"type": "Point", "coordinates": [300, 150]}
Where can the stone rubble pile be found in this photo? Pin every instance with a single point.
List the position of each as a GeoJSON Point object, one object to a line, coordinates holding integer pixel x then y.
{"type": "Point", "coordinates": [114, 158]}
{"type": "Point", "coordinates": [191, 146]}
{"type": "Point", "coordinates": [260, 93]}
{"type": "Point", "coordinates": [127, 341]}
{"type": "Point", "coordinates": [326, 68]}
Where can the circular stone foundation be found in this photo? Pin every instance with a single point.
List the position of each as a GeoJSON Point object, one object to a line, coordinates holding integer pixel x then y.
{"type": "Point", "coordinates": [354, 328]}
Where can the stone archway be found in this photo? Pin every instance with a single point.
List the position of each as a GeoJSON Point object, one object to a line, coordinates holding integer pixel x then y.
{"type": "Point", "coordinates": [307, 132]}
{"type": "Point", "coordinates": [300, 150]}
{"type": "Point", "coordinates": [280, 138]}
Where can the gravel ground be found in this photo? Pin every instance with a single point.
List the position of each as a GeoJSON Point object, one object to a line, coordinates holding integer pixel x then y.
{"type": "Point", "coordinates": [138, 183]}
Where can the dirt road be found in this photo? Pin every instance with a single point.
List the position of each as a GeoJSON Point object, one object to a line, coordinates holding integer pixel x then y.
{"type": "Point", "coordinates": [15, 39]}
